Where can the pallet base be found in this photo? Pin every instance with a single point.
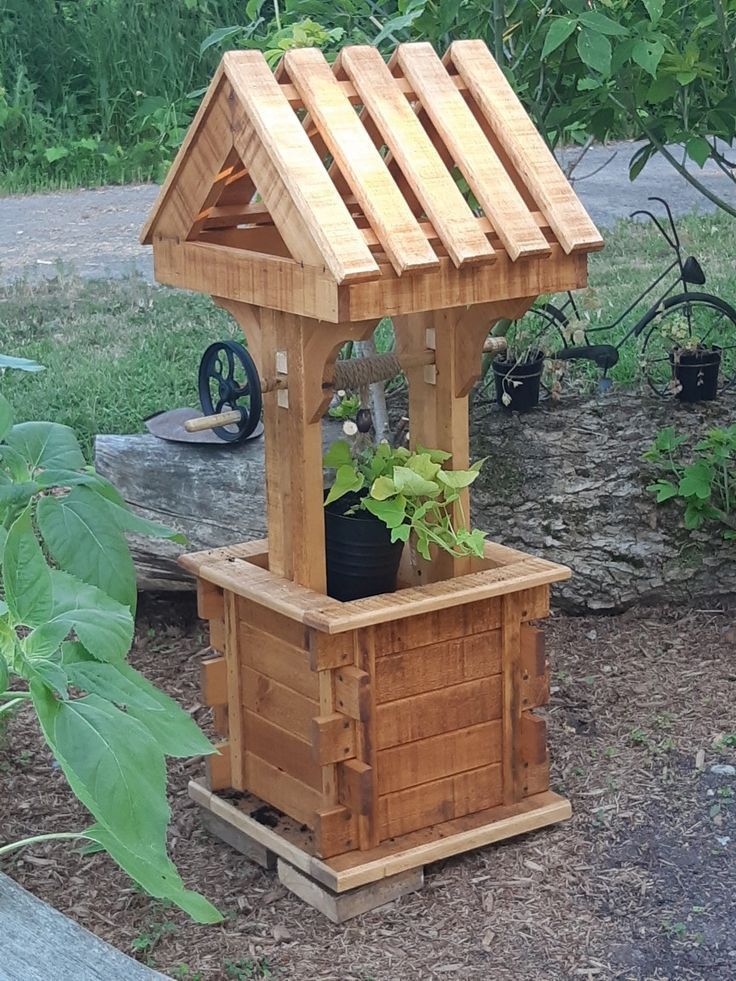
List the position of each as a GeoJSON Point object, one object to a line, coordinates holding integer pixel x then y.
{"type": "Point", "coordinates": [396, 866]}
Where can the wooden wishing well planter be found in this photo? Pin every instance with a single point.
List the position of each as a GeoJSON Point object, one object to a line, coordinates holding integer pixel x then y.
{"type": "Point", "coordinates": [391, 731]}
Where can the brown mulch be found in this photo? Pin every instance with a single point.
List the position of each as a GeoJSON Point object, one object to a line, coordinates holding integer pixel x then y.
{"type": "Point", "coordinates": [638, 885]}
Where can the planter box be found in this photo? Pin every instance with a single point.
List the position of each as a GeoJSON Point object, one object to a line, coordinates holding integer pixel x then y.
{"type": "Point", "coordinates": [384, 723]}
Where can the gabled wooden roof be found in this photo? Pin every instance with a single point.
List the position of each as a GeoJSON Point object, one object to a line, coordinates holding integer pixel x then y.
{"type": "Point", "coordinates": [352, 168]}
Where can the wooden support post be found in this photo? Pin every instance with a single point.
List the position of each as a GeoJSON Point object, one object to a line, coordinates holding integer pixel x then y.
{"type": "Point", "coordinates": [438, 395]}
{"type": "Point", "coordinates": [511, 763]}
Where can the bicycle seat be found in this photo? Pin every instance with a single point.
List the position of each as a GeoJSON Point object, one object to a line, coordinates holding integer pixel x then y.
{"type": "Point", "coordinates": [604, 355]}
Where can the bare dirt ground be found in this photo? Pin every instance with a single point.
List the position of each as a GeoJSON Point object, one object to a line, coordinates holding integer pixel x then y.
{"type": "Point", "coordinates": [639, 884]}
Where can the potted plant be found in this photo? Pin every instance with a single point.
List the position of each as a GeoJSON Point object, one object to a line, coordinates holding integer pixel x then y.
{"type": "Point", "coordinates": [382, 497]}
{"type": "Point", "coordinates": [695, 365]}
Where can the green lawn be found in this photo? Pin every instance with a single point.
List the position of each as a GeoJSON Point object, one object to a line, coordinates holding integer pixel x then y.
{"type": "Point", "coordinates": [117, 351]}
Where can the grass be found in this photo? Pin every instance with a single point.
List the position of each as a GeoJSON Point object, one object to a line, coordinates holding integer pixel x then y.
{"type": "Point", "coordinates": [117, 351]}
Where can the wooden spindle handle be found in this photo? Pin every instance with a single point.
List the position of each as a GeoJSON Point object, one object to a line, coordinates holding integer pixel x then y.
{"type": "Point", "coordinates": [213, 422]}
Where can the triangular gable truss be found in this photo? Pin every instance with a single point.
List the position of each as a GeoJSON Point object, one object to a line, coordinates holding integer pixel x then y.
{"type": "Point", "coordinates": [351, 169]}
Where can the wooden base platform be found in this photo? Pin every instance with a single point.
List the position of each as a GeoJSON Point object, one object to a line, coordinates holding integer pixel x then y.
{"type": "Point", "coordinates": [358, 881]}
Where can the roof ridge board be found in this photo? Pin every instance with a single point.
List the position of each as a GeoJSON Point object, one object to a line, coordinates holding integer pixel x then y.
{"type": "Point", "coordinates": [359, 162]}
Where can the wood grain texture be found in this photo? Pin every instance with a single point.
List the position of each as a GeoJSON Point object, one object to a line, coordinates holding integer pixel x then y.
{"type": "Point", "coordinates": [40, 943]}
{"type": "Point", "coordinates": [359, 161]}
{"type": "Point", "coordinates": [437, 665]}
{"type": "Point", "coordinates": [290, 176]}
{"type": "Point", "coordinates": [525, 147]}
{"type": "Point", "coordinates": [282, 749]}
{"type": "Point", "coordinates": [355, 868]}
{"type": "Point", "coordinates": [442, 800]}
{"type": "Point", "coordinates": [235, 692]}
{"type": "Point", "coordinates": [427, 715]}
{"type": "Point", "coordinates": [468, 148]}
{"type": "Point", "coordinates": [279, 660]}
{"type": "Point", "coordinates": [439, 756]}
{"type": "Point", "coordinates": [412, 149]}
{"type": "Point", "coordinates": [290, 795]}
{"type": "Point", "coordinates": [279, 704]}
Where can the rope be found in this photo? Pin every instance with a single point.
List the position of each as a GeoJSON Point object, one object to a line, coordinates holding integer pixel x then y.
{"type": "Point", "coordinates": [356, 373]}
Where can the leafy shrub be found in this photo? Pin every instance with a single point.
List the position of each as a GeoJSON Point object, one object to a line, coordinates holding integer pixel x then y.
{"type": "Point", "coordinates": [66, 625]}
{"type": "Point", "coordinates": [704, 482]}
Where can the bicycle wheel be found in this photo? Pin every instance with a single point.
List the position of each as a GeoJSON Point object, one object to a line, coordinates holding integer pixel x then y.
{"type": "Point", "coordinates": [706, 317]}
{"type": "Point", "coordinates": [543, 327]}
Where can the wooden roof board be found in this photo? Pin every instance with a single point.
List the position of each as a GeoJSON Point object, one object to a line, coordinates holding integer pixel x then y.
{"type": "Point", "coordinates": [526, 149]}
{"type": "Point", "coordinates": [420, 163]}
{"type": "Point", "coordinates": [359, 161]}
{"type": "Point", "coordinates": [469, 148]}
{"type": "Point", "coordinates": [395, 141]}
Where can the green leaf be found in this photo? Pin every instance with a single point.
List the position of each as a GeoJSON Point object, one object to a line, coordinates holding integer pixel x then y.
{"type": "Point", "coordinates": [65, 478]}
{"type": "Point", "coordinates": [103, 625]}
{"type": "Point", "coordinates": [654, 9]}
{"type": "Point", "coordinates": [436, 456]}
{"type": "Point", "coordinates": [50, 674]}
{"type": "Point", "coordinates": [4, 674]}
{"type": "Point", "coordinates": [54, 153]}
{"type": "Point", "coordinates": [698, 149]}
{"type": "Point", "coordinates": [597, 21]}
{"type": "Point", "coordinates": [423, 464]}
{"type": "Point", "coordinates": [663, 489]}
{"type": "Point", "coordinates": [174, 729]}
{"type": "Point", "coordinates": [112, 764]}
{"type": "Point", "coordinates": [338, 455]}
{"type": "Point", "coordinates": [412, 484]}
{"type": "Point", "coordinates": [382, 488]}
{"type": "Point", "coordinates": [46, 444]}
{"type": "Point", "coordinates": [400, 533]}
{"type": "Point", "coordinates": [559, 31]}
{"type": "Point", "coordinates": [218, 36]}
{"type": "Point", "coordinates": [46, 639]}
{"type": "Point", "coordinates": [595, 50]}
{"type": "Point", "coordinates": [6, 416]}
{"type": "Point", "coordinates": [17, 495]}
{"type": "Point", "coordinates": [696, 481]}
{"type": "Point", "coordinates": [694, 516]}
{"type": "Point", "coordinates": [129, 521]}
{"type": "Point", "coordinates": [648, 54]}
{"type": "Point", "coordinates": [26, 576]}
{"type": "Point", "coordinates": [347, 479]}
{"type": "Point", "coordinates": [80, 535]}
{"type": "Point", "coordinates": [457, 478]}
{"type": "Point", "coordinates": [392, 512]}
{"type": "Point", "coordinates": [157, 875]}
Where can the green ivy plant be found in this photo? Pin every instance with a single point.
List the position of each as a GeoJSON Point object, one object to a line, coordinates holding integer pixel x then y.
{"type": "Point", "coordinates": [412, 493]}
{"type": "Point", "coordinates": [66, 626]}
{"type": "Point", "coordinates": [704, 484]}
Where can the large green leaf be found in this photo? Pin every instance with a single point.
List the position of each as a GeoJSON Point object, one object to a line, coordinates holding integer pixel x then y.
{"type": "Point", "coordinates": [559, 31]}
{"type": "Point", "coordinates": [26, 576]}
{"type": "Point", "coordinates": [47, 445]}
{"type": "Point", "coordinates": [457, 478]}
{"type": "Point", "coordinates": [103, 625]}
{"type": "Point", "coordinates": [113, 765]}
{"type": "Point", "coordinates": [80, 535]}
{"type": "Point", "coordinates": [595, 50]}
{"type": "Point", "coordinates": [175, 731]}
{"type": "Point", "coordinates": [347, 480]}
{"type": "Point", "coordinates": [157, 875]}
{"type": "Point", "coordinates": [648, 55]}
{"type": "Point", "coordinates": [412, 484]}
{"type": "Point", "coordinates": [46, 639]}
{"type": "Point", "coordinates": [338, 455]}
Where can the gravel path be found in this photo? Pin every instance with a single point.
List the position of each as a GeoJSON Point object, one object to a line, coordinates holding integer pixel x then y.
{"type": "Point", "coordinates": [95, 232]}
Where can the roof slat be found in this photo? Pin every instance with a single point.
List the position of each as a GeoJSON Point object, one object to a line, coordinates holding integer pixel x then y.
{"type": "Point", "coordinates": [290, 176]}
{"type": "Point", "coordinates": [526, 149]}
{"type": "Point", "coordinates": [469, 148]}
{"type": "Point", "coordinates": [359, 161]}
{"type": "Point", "coordinates": [413, 151]}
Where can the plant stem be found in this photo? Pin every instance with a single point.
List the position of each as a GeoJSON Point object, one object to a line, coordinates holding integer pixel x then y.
{"type": "Point", "coordinates": [55, 836]}
{"type": "Point", "coordinates": [6, 695]}
{"type": "Point", "coordinates": [729, 43]}
{"type": "Point", "coordinates": [11, 705]}
{"type": "Point", "coordinates": [499, 25]}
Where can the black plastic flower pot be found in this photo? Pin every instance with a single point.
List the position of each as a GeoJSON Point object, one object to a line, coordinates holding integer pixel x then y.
{"type": "Point", "coordinates": [361, 558]}
{"type": "Point", "coordinates": [517, 382]}
{"type": "Point", "coordinates": [697, 373]}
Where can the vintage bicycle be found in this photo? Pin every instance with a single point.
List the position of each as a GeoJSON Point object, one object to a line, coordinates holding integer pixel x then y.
{"type": "Point", "coordinates": [564, 336]}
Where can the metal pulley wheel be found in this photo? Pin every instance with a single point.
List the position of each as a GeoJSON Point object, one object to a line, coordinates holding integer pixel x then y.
{"type": "Point", "coordinates": [229, 381]}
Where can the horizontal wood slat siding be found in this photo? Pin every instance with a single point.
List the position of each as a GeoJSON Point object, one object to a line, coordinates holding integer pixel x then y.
{"type": "Point", "coordinates": [439, 756]}
{"type": "Point", "coordinates": [282, 749]}
{"type": "Point", "coordinates": [431, 628]}
{"type": "Point", "coordinates": [282, 790]}
{"type": "Point", "coordinates": [421, 716]}
{"type": "Point", "coordinates": [279, 704]}
{"type": "Point", "coordinates": [438, 666]}
{"type": "Point", "coordinates": [278, 660]}
{"type": "Point", "coordinates": [442, 800]}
